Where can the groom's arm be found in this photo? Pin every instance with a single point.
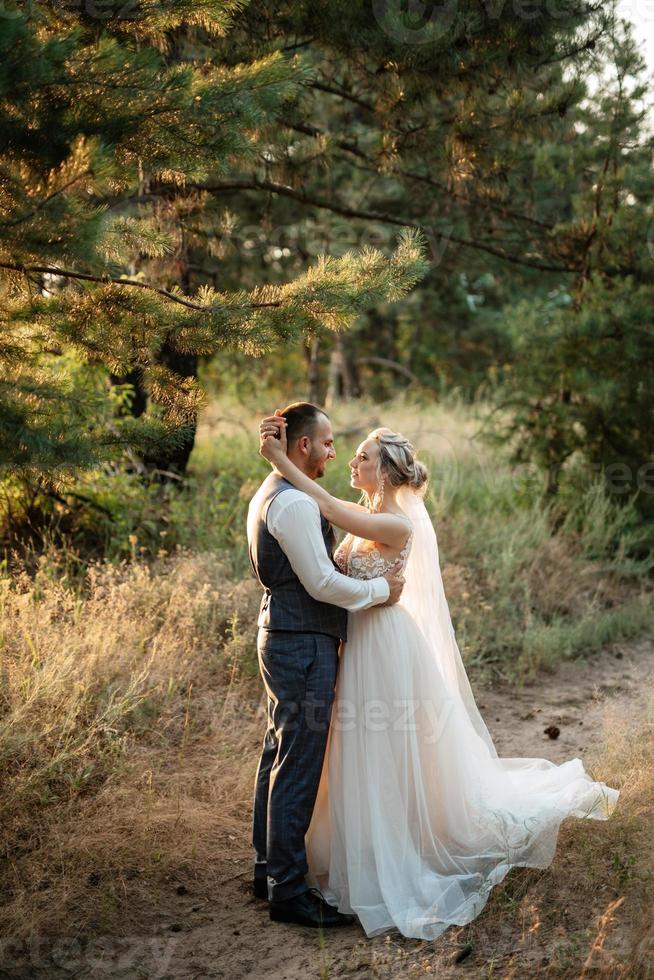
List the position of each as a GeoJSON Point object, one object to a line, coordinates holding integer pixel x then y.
{"type": "Point", "coordinates": [295, 523]}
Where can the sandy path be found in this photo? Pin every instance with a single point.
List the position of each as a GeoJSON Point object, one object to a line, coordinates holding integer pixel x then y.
{"type": "Point", "coordinates": [228, 933]}
{"type": "Point", "coordinates": [244, 943]}
{"type": "Point", "coordinates": [575, 699]}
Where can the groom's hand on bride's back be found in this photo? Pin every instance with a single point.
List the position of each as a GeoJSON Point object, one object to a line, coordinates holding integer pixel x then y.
{"type": "Point", "coordinates": [395, 581]}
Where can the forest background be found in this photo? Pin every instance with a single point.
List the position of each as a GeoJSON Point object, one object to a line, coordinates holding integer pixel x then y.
{"type": "Point", "coordinates": [437, 219]}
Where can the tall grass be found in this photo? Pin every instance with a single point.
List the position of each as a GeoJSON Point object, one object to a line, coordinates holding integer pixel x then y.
{"type": "Point", "coordinates": [129, 697]}
{"type": "Point", "coordinates": [529, 580]}
{"type": "Point", "coordinates": [136, 664]}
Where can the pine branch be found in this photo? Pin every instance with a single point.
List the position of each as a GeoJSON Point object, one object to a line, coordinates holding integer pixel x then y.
{"type": "Point", "coordinates": [46, 200]}
{"type": "Point", "coordinates": [336, 207]}
{"type": "Point", "coordinates": [342, 94]}
{"type": "Point", "coordinates": [70, 274]}
{"type": "Point", "coordinates": [588, 45]}
{"type": "Point", "coordinates": [349, 147]}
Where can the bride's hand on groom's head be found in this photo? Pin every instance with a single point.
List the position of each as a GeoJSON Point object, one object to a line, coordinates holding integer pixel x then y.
{"type": "Point", "coordinates": [272, 437]}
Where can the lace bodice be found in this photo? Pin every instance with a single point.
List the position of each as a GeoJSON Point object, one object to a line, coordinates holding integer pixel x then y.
{"type": "Point", "coordinates": [366, 563]}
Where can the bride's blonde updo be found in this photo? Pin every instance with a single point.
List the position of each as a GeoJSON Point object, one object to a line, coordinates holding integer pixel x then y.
{"type": "Point", "coordinates": [397, 460]}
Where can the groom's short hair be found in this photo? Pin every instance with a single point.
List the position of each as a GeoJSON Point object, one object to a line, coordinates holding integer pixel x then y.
{"type": "Point", "coordinates": [301, 420]}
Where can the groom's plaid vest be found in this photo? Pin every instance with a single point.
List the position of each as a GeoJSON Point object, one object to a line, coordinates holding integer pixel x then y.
{"type": "Point", "coordinates": [286, 604]}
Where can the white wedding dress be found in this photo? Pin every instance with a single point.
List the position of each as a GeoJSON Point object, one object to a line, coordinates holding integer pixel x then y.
{"type": "Point", "coordinates": [416, 817]}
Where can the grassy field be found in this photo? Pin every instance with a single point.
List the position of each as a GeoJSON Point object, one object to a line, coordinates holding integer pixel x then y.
{"type": "Point", "coordinates": [130, 704]}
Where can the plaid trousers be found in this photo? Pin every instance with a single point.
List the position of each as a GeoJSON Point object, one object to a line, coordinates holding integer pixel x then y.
{"type": "Point", "coordinates": [299, 673]}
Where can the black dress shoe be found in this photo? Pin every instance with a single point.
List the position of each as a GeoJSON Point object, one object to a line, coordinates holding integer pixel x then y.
{"type": "Point", "coordinates": [309, 909]}
{"type": "Point", "coordinates": [260, 887]}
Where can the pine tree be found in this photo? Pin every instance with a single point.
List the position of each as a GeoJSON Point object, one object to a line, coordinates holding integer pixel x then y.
{"type": "Point", "coordinates": [110, 126]}
{"type": "Point", "coordinates": [577, 389]}
{"type": "Point", "coordinates": [422, 123]}
{"type": "Point", "coordinates": [479, 128]}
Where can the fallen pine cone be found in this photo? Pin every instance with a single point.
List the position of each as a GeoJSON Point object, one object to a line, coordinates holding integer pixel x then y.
{"type": "Point", "coordinates": [552, 731]}
{"type": "Point", "coordinates": [463, 953]}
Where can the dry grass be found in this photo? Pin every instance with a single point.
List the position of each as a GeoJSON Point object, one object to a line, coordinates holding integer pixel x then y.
{"type": "Point", "coordinates": [527, 584]}
{"type": "Point", "coordinates": [117, 731]}
{"type": "Point", "coordinates": [130, 724]}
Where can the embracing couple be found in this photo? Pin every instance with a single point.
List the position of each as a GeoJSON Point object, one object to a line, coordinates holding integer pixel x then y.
{"type": "Point", "coordinates": [379, 793]}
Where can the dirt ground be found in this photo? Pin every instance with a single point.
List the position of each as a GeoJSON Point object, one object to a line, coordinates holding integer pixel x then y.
{"type": "Point", "coordinates": [227, 932]}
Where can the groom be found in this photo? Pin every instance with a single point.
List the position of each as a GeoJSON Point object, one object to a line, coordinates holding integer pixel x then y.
{"type": "Point", "coordinates": [303, 618]}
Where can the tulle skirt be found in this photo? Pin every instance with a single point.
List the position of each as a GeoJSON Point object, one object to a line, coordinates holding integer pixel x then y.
{"type": "Point", "coordinates": [416, 819]}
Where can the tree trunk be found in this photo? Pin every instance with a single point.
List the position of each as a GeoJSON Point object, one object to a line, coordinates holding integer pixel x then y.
{"type": "Point", "coordinates": [176, 460]}
{"type": "Point", "coordinates": [332, 395]}
{"type": "Point", "coordinates": [140, 399]}
{"type": "Point", "coordinates": [339, 384]}
{"type": "Point", "coordinates": [346, 369]}
{"type": "Point", "coordinates": [312, 350]}
{"type": "Point", "coordinates": [165, 466]}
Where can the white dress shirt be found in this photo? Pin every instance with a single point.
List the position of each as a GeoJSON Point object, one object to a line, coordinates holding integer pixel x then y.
{"type": "Point", "coordinates": [293, 519]}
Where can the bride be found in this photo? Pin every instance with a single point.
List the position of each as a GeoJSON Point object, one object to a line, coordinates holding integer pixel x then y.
{"type": "Point", "coordinates": [416, 818]}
